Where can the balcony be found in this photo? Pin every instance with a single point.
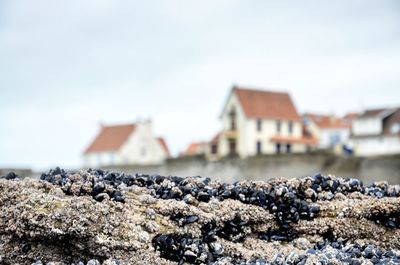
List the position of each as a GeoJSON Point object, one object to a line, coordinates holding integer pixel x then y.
{"type": "Point", "coordinates": [233, 134]}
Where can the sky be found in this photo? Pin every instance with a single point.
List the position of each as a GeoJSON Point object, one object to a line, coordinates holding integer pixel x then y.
{"type": "Point", "coordinates": [68, 66]}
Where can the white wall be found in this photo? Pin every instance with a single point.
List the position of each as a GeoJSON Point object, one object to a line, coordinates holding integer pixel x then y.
{"type": "Point", "coordinates": [142, 147]}
{"type": "Point", "coordinates": [268, 130]}
{"type": "Point", "coordinates": [223, 148]}
{"type": "Point", "coordinates": [98, 159]}
{"type": "Point", "coordinates": [379, 145]}
{"type": "Point", "coordinates": [367, 126]}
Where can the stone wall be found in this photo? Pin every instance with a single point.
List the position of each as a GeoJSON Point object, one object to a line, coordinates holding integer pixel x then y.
{"type": "Point", "coordinates": [264, 167]}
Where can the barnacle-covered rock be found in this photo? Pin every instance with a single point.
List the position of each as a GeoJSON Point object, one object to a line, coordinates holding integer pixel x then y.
{"type": "Point", "coordinates": [100, 217]}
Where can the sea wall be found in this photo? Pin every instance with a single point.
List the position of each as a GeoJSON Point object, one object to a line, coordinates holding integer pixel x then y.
{"type": "Point", "coordinates": [287, 166]}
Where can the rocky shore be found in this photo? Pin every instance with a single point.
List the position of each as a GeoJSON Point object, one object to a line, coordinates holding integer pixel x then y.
{"type": "Point", "coordinates": [98, 217]}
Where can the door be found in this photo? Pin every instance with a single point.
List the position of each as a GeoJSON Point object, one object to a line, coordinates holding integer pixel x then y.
{"type": "Point", "coordinates": [278, 148]}
{"type": "Point", "coordinates": [232, 146]}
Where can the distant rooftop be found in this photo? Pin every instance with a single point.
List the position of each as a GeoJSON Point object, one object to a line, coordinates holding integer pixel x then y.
{"type": "Point", "coordinates": [111, 138]}
{"type": "Point", "coordinates": [264, 104]}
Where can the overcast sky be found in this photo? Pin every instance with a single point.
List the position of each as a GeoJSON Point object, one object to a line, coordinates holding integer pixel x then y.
{"type": "Point", "coordinates": [67, 65]}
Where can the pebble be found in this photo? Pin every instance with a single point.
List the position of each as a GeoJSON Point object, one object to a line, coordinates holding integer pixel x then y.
{"type": "Point", "coordinates": [93, 262]}
{"type": "Point", "coordinates": [151, 214]}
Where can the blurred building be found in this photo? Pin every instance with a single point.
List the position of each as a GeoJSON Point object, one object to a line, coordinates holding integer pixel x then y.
{"type": "Point", "coordinates": [377, 132]}
{"type": "Point", "coordinates": [127, 144]}
{"type": "Point", "coordinates": [213, 147]}
{"type": "Point", "coordinates": [256, 122]}
{"type": "Point", "coordinates": [196, 149]}
{"type": "Point", "coordinates": [350, 117]}
{"type": "Point", "coordinates": [332, 132]}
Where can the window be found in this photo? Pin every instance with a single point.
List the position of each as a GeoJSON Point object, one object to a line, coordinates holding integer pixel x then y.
{"type": "Point", "coordinates": [334, 139]}
{"type": "Point", "coordinates": [233, 125]}
{"type": "Point", "coordinates": [259, 125]}
{"type": "Point", "coordinates": [290, 127]}
{"type": "Point", "coordinates": [278, 127]}
{"type": "Point", "coordinates": [288, 148]}
{"type": "Point", "coordinates": [278, 148]}
{"type": "Point", "coordinates": [306, 121]}
{"type": "Point", "coordinates": [232, 118]}
{"type": "Point", "coordinates": [232, 146]}
{"type": "Point", "coordinates": [259, 147]}
{"type": "Point", "coordinates": [214, 149]}
{"type": "Point", "coordinates": [395, 128]}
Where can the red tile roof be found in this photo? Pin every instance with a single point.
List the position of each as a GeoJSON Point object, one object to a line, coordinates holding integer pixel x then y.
{"type": "Point", "coordinates": [328, 122]}
{"type": "Point", "coordinates": [215, 139]}
{"type": "Point", "coordinates": [195, 149]}
{"type": "Point", "coordinates": [267, 104]}
{"type": "Point", "coordinates": [111, 138]}
{"type": "Point", "coordinates": [351, 116]}
{"type": "Point", "coordinates": [164, 145]}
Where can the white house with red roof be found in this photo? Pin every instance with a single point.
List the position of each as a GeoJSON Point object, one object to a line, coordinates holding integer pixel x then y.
{"type": "Point", "coordinates": [332, 132]}
{"type": "Point", "coordinates": [196, 149]}
{"type": "Point", "coordinates": [126, 144]}
{"type": "Point", "coordinates": [377, 132]}
{"type": "Point", "coordinates": [256, 122]}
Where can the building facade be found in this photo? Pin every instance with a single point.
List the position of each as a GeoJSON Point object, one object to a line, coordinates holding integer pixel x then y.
{"type": "Point", "coordinates": [127, 144]}
{"type": "Point", "coordinates": [332, 132]}
{"type": "Point", "coordinates": [256, 122]}
{"type": "Point", "coordinates": [377, 132]}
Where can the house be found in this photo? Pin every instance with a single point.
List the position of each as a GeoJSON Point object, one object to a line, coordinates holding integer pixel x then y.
{"type": "Point", "coordinates": [377, 132]}
{"type": "Point", "coordinates": [196, 149]}
{"type": "Point", "coordinates": [212, 153]}
{"type": "Point", "coordinates": [126, 144]}
{"type": "Point", "coordinates": [256, 122]}
{"type": "Point", "coordinates": [350, 117]}
{"type": "Point", "coordinates": [332, 132]}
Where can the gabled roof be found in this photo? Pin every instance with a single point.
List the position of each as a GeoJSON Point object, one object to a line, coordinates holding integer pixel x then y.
{"type": "Point", "coordinates": [164, 145]}
{"type": "Point", "coordinates": [215, 139]}
{"type": "Point", "coordinates": [111, 138]}
{"type": "Point", "coordinates": [391, 121]}
{"type": "Point", "coordinates": [351, 116]}
{"type": "Point", "coordinates": [327, 121]}
{"type": "Point", "coordinates": [262, 104]}
{"type": "Point", "coordinates": [377, 113]}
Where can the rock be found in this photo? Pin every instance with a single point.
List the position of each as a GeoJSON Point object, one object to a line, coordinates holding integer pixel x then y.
{"type": "Point", "coordinates": [93, 262]}
{"type": "Point", "coordinates": [310, 194]}
{"type": "Point", "coordinates": [101, 197]}
{"type": "Point", "coordinates": [151, 214]}
{"type": "Point", "coordinates": [115, 218]}
{"type": "Point", "coordinates": [191, 219]}
{"type": "Point", "coordinates": [216, 248]}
